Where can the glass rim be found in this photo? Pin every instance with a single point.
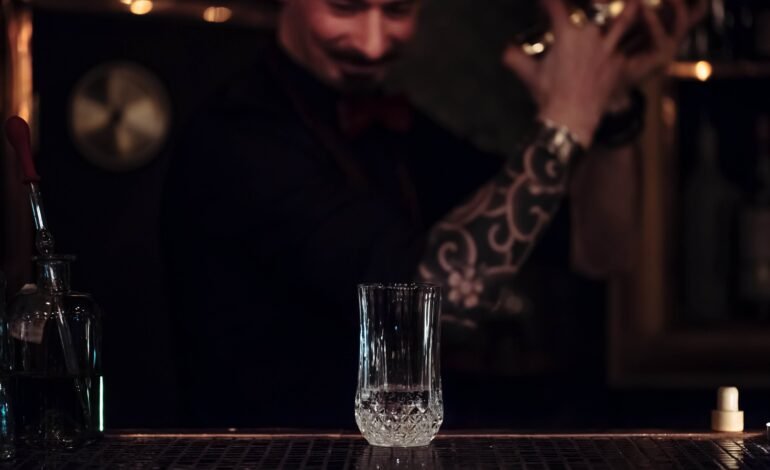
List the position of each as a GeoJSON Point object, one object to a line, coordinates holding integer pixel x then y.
{"type": "Point", "coordinates": [399, 285]}
{"type": "Point", "coordinates": [53, 258]}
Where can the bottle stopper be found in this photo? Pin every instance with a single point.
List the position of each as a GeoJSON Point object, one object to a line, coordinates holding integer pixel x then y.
{"type": "Point", "coordinates": [727, 417]}
{"type": "Point", "coordinates": [18, 134]}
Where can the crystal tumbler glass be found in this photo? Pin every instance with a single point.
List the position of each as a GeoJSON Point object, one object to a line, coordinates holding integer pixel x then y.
{"type": "Point", "coordinates": [398, 400]}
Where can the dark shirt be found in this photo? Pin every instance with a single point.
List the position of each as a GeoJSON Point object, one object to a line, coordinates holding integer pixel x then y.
{"type": "Point", "coordinates": [271, 217]}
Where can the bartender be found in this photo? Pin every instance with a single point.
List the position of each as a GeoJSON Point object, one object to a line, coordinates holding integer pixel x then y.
{"type": "Point", "coordinates": [302, 179]}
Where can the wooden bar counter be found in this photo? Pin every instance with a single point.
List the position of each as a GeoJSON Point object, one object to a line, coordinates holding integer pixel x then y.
{"type": "Point", "coordinates": [234, 449]}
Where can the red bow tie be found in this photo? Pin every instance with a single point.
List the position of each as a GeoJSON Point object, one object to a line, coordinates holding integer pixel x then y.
{"type": "Point", "coordinates": [357, 115]}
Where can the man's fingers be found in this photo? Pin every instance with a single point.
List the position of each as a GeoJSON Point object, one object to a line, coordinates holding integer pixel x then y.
{"type": "Point", "coordinates": [660, 37]}
{"type": "Point", "coordinates": [642, 67]}
{"type": "Point", "coordinates": [681, 19]}
{"type": "Point", "coordinates": [620, 25]}
{"type": "Point", "coordinates": [697, 12]}
{"type": "Point", "coordinates": [558, 14]}
{"type": "Point", "coordinates": [521, 64]}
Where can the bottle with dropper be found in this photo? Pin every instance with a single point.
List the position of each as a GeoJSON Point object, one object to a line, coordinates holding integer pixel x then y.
{"type": "Point", "coordinates": [54, 337]}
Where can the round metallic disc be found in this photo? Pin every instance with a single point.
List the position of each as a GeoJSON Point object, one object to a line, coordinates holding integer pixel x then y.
{"type": "Point", "coordinates": [119, 116]}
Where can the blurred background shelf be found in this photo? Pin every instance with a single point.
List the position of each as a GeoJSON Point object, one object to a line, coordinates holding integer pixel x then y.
{"type": "Point", "coordinates": [238, 12]}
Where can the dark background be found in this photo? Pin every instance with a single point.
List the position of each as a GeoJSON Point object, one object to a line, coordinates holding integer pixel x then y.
{"type": "Point", "coordinates": [111, 220]}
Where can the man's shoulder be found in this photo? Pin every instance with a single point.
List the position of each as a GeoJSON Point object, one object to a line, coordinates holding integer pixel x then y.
{"type": "Point", "coordinates": [441, 140]}
{"type": "Point", "coordinates": [250, 105]}
{"type": "Point", "coordinates": [254, 92]}
{"type": "Point", "coordinates": [428, 127]}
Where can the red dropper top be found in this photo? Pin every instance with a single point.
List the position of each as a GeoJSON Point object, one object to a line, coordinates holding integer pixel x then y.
{"type": "Point", "coordinates": [17, 131]}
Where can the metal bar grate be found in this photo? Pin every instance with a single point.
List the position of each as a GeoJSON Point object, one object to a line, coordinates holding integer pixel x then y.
{"type": "Point", "coordinates": [447, 452]}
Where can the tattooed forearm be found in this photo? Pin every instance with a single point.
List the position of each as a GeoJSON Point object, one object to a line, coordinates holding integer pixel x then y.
{"type": "Point", "coordinates": [480, 245]}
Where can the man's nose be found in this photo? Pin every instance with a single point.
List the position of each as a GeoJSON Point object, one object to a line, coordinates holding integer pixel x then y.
{"type": "Point", "coordinates": [371, 39]}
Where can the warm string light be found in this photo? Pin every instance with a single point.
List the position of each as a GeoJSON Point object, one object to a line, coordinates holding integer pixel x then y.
{"type": "Point", "coordinates": [217, 14]}
{"type": "Point", "coordinates": [616, 8]}
{"type": "Point", "coordinates": [703, 70]}
{"type": "Point", "coordinates": [140, 7]}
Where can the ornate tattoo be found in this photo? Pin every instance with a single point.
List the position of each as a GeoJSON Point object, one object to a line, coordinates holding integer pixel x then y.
{"type": "Point", "coordinates": [481, 245]}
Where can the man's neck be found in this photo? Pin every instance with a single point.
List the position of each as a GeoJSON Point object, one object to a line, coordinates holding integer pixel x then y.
{"type": "Point", "coordinates": [289, 41]}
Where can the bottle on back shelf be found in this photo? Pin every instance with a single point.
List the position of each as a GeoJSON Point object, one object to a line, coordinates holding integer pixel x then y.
{"type": "Point", "coordinates": [711, 38]}
{"type": "Point", "coordinates": [748, 25]}
{"type": "Point", "coordinates": [762, 30]}
{"type": "Point", "coordinates": [754, 240]}
{"type": "Point", "coordinates": [709, 204]}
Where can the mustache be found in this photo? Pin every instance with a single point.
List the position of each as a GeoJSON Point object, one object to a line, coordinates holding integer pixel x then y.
{"type": "Point", "coordinates": [356, 58]}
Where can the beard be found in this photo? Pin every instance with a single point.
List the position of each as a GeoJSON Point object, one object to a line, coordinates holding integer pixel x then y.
{"type": "Point", "coordinates": [361, 81]}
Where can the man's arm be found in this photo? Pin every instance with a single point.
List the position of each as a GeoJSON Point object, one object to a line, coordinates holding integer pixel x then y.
{"type": "Point", "coordinates": [481, 244]}
{"type": "Point", "coordinates": [605, 187]}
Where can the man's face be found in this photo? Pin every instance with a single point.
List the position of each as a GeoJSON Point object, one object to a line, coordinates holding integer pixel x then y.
{"type": "Point", "coordinates": [348, 43]}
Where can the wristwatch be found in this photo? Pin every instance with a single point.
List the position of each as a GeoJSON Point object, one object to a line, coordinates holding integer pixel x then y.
{"type": "Point", "coordinates": [559, 141]}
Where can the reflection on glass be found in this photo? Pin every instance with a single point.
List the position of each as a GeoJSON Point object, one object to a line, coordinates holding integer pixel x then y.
{"type": "Point", "coordinates": [732, 459]}
{"type": "Point", "coordinates": [377, 458]}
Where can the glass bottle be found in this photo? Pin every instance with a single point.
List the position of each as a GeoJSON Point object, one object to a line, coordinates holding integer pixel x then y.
{"type": "Point", "coordinates": [55, 357]}
{"type": "Point", "coordinates": [749, 21]}
{"type": "Point", "coordinates": [709, 203]}
{"type": "Point", "coordinates": [713, 37]}
{"type": "Point", "coordinates": [7, 429]}
{"type": "Point", "coordinates": [762, 30]}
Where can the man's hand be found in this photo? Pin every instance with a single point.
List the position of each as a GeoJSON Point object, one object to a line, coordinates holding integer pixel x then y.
{"type": "Point", "coordinates": [582, 62]}
{"type": "Point", "coordinates": [664, 45]}
{"type": "Point", "coordinates": [572, 85]}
